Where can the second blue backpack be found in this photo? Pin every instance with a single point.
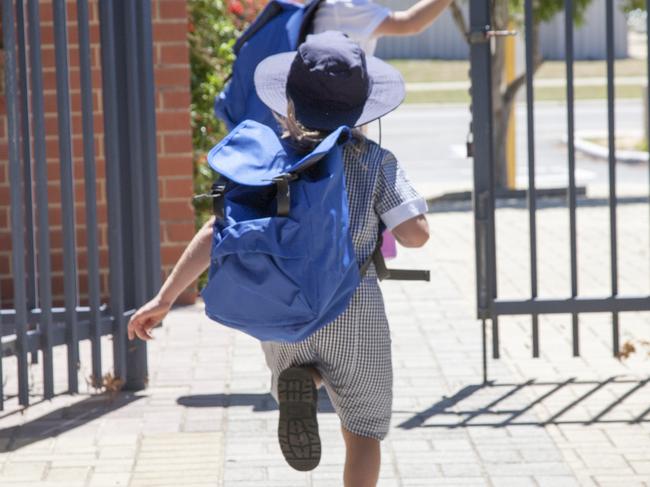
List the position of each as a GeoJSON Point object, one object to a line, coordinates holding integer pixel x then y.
{"type": "Point", "coordinates": [282, 262]}
{"type": "Point", "coordinates": [280, 27]}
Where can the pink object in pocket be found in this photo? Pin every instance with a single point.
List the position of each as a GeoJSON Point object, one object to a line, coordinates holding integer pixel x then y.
{"type": "Point", "coordinates": [388, 246]}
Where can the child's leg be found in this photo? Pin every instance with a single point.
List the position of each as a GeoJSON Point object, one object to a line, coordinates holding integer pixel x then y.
{"type": "Point", "coordinates": [315, 375]}
{"type": "Point", "coordinates": [362, 460]}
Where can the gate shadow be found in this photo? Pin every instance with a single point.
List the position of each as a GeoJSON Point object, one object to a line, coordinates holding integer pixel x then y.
{"type": "Point", "coordinates": [449, 413]}
{"type": "Point", "coordinates": [61, 420]}
{"type": "Point", "coordinates": [259, 402]}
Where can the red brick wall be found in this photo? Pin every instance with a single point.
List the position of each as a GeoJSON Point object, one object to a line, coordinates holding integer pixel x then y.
{"type": "Point", "coordinates": [174, 143]}
{"type": "Point", "coordinates": [172, 74]}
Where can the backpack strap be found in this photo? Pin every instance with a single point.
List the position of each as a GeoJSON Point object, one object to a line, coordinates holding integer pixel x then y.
{"type": "Point", "coordinates": [383, 273]}
{"type": "Point", "coordinates": [216, 195]}
{"type": "Point", "coordinates": [363, 270]}
{"type": "Point", "coordinates": [270, 11]}
{"type": "Point", "coordinates": [283, 193]}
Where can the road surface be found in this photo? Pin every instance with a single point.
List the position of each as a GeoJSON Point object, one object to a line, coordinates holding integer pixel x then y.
{"type": "Point", "coordinates": [429, 140]}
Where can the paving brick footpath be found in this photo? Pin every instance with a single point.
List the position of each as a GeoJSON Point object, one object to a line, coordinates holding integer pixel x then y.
{"type": "Point", "coordinates": [207, 417]}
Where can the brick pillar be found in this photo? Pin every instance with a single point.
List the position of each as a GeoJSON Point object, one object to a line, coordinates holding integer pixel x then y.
{"type": "Point", "coordinates": [172, 74]}
{"type": "Point", "coordinates": [174, 140]}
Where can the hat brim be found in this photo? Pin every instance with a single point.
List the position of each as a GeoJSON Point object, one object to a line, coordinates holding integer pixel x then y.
{"type": "Point", "coordinates": [386, 93]}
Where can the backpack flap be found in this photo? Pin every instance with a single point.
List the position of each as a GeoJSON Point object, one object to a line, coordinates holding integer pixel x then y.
{"type": "Point", "coordinates": [251, 154]}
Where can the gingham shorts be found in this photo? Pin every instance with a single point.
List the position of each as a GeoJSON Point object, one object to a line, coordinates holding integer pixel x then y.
{"type": "Point", "coordinates": [353, 356]}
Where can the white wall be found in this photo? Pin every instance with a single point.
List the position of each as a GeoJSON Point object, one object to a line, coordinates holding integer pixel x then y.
{"type": "Point", "coordinates": [443, 40]}
{"type": "Point", "coordinates": [589, 40]}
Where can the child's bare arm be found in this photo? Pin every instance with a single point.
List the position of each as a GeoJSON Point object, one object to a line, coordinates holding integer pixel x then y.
{"type": "Point", "coordinates": [194, 260]}
{"type": "Point", "coordinates": [413, 20]}
{"type": "Point", "coordinates": [413, 232]}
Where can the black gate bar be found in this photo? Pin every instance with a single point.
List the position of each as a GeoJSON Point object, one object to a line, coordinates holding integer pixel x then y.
{"type": "Point", "coordinates": [90, 174]}
{"type": "Point", "coordinates": [647, 100]}
{"type": "Point", "coordinates": [532, 196]}
{"type": "Point", "coordinates": [27, 166]}
{"type": "Point", "coordinates": [482, 126]}
{"type": "Point", "coordinates": [489, 305]}
{"type": "Point", "coordinates": [133, 211]}
{"type": "Point", "coordinates": [609, 14]}
{"type": "Point", "coordinates": [67, 189]}
{"type": "Point", "coordinates": [17, 237]}
{"type": "Point", "coordinates": [147, 109]}
{"type": "Point", "coordinates": [132, 116]}
{"type": "Point", "coordinates": [59, 336]}
{"type": "Point", "coordinates": [604, 304]}
{"type": "Point", "coordinates": [113, 192]}
{"type": "Point", "coordinates": [40, 170]}
{"type": "Point", "coordinates": [571, 152]}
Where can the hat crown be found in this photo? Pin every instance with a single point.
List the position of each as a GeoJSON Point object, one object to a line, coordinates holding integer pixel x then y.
{"type": "Point", "coordinates": [329, 82]}
{"type": "Point", "coordinates": [329, 71]}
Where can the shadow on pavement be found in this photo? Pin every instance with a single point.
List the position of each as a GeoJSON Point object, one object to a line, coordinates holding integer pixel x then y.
{"type": "Point", "coordinates": [63, 419]}
{"type": "Point", "coordinates": [259, 402]}
{"type": "Point", "coordinates": [487, 405]}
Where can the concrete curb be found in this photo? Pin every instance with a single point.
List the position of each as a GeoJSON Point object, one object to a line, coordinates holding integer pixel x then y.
{"type": "Point", "coordinates": [597, 151]}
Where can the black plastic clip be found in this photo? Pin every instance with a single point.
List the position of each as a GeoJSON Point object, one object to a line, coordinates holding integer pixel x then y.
{"type": "Point", "coordinates": [216, 195]}
{"type": "Point", "coordinates": [283, 196]}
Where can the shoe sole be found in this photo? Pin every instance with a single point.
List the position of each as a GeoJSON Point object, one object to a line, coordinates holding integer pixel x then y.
{"type": "Point", "coordinates": [298, 426]}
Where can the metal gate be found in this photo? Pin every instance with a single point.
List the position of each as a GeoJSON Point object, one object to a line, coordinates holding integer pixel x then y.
{"type": "Point", "coordinates": [490, 305]}
{"type": "Point", "coordinates": [129, 142]}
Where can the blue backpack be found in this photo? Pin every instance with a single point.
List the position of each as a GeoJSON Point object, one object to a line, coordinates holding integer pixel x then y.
{"type": "Point", "coordinates": [282, 260]}
{"type": "Point", "coordinates": [282, 26]}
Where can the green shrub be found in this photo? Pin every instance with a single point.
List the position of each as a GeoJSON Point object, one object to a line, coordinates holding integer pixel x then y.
{"type": "Point", "coordinates": [214, 27]}
{"type": "Point", "coordinates": [212, 34]}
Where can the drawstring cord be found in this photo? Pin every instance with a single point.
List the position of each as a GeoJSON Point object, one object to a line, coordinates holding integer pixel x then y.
{"type": "Point", "coordinates": [379, 120]}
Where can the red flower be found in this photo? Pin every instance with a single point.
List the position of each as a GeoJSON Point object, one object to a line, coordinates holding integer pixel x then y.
{"type": "Point", "coordinates": [235, 7]}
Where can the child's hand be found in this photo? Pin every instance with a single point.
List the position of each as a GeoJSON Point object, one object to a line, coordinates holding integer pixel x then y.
{"type": "Point", "coordinates": [146, 318]}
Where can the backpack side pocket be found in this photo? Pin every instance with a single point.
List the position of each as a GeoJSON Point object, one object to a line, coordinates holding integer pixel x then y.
{"type": "Point", "coordinates": [256, 274]}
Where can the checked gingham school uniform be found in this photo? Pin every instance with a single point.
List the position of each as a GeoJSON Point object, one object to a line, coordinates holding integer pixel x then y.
{"type": "Point", "coordinates": [353, 353]}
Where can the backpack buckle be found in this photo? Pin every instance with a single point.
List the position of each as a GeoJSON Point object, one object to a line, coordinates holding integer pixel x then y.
{"type": "Point", "coordinates": [216, 195]}
{"type": "Point", "coordinates": [218, 190]}
{"type": "Point", "coordinates": [283, 195]}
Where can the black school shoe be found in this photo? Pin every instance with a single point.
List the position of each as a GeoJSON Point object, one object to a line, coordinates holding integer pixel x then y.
{"type": "Point", "coordinates": [298, 426]}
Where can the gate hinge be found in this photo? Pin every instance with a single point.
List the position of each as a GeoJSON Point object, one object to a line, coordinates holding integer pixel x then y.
{"type": "Point", "coordinates": [484, 34]}
{"type": "Point", "coordinates": [469, 144]}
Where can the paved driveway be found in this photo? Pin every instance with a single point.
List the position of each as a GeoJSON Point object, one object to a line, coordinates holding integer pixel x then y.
{"type": "Point", "coordinates": [207, 417]}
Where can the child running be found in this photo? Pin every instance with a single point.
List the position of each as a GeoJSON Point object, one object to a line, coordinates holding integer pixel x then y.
{"type": "Point", "coordinates": [327, 83]}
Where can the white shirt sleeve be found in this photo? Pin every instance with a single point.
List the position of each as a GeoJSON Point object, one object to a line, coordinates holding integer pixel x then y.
{"type": "Point", "coordinates": [358, 19]}
{"type": "Point", "coordinates": [405, 211]}
{"type": "Point", "coordinates": [396, 200]}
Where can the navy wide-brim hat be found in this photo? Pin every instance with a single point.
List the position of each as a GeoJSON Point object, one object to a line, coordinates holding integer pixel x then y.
{"type": "Point", "coordinates": [331, 83]}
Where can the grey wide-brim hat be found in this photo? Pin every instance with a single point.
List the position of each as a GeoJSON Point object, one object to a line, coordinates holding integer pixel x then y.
{"type": "Point", "coordinates": [331, 83]}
